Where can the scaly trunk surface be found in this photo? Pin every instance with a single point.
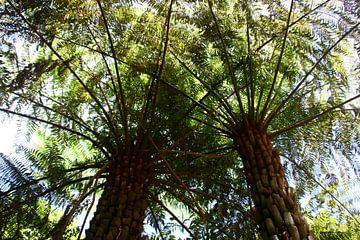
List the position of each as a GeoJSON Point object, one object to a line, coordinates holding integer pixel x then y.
{"type": "Point", "coordinates": [121, 208]}
{"type": "Point", "coordinates": [277, 212]}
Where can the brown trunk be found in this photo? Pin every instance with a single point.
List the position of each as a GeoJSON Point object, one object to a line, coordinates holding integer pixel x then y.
{"type": "Point", "coordinates": [277, 212]}
{"type": "Point", "coordinates": [121, 209]}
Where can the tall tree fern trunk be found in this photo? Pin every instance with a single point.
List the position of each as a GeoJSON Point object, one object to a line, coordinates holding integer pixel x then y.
{"type": "Point", "coordinates": [121, 209]}
{"type": "Point", "coordinates": [277, 212]}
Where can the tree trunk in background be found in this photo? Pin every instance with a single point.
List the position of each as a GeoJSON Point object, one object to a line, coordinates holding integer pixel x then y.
{"type": "Point", "coordinates": [277, 212]}
{"type": "Point", "coordinates": [121, 209]}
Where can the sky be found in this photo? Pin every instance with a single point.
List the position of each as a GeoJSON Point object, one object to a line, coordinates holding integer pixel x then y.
{"type": "Point", "coordinates": [7, 135]}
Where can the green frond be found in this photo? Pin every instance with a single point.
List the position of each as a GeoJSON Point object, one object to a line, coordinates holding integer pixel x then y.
{"type": "Point", "coordinates": [177, 82]}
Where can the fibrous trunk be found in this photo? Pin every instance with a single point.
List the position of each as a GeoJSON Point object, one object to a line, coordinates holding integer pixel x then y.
{"type": "Point", "coordinates": [121, 208]}
{"type": "Point", "coordinates": [277, 212]}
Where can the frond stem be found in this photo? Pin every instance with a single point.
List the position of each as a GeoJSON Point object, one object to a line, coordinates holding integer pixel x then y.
{"type": "Point", "coordinates": [167, 164]}
{"type": "Point", "coordinates": [110, 75]}
{"type": "Point", "coordinates": [323, 187]}
{"type": "Point", "coordinates": [49, 123]}
{"type": "Point", "coordinates": [282, 103]}
{"type": "Point", "coordinates": [174, 216]}
{"type": "Point", "coordinates": [152, 94]}
{"type": "Point", "coordinates": [265, 107]}
{"type": "Point", "coordinates": [156, 223]}
{"type": "Point", "coordinates": [251, 92]}
{"type": "Point", "coordinates": [121, 91]}
{"type": "Point", "coordinates": [89, 208]}
{"type": "Point", "coordinates": [227, 61]}
{"type": "Point", "coordinates": [201, 105]}
{"type": "Point", "coordinates": [67, 65]}
{"type": "Point", "coordinates": [81, 124]}
{"type": "Point", "coordinates": [292, 24]}
{"type": "Point", "coordinates": [311, 118]}
{"type": "Point", "coordinates": [222, 100]}
{"type": "Point", "coordinates": [66, 218]}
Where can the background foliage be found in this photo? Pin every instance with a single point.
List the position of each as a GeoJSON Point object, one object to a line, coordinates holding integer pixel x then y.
{"type": "Point", "coordinates": [177, 74]}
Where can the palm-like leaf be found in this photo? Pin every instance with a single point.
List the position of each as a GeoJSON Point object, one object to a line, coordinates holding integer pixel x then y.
{"type": "Point", "coordinates": [168, 83]}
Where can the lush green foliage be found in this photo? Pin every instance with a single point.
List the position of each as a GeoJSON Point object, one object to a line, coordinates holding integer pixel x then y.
{"type": "Point", "coordinates": [174, 79]}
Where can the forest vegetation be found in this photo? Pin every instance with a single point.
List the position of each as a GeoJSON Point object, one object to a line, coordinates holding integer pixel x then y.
{"type": "Point", "coordinates": [209, 119]}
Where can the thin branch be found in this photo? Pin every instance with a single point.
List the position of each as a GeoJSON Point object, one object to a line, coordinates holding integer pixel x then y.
{"type": "Point", "coordinates": [203, 121]}
{"type": "Point", "coordinates": [103, 95]}
{"type": "Point", "coordinates": [209, 88]}
{"type": "Point", "coordinates": [49, 123]}
{"type": "Point", "coordinates": [87, 89]}
{"type": "Point", "coordinates": [66, 218]}
{"type": "Point", "coordinates": [198, 154]}
{"type": "Point", "coordinates": [311, 118]}
{"type": "Point", "coordinates": [265, 108]}
{"type": "Point", "coordinates": [121, 91]}
{"type": "Point", "coordinates": [262, 89]}
{"type": "Point", "coordinates": [215, 152]}
{"type": "Point", "coordinates": [347, 109]}
{"type": "Point", "coordinates": [167, 164]}
{"type": "Point", "coordinates": [62, 185]}
{"type": "Point", "coordinates": [106, 100]}
{"type": "Point", "coordinates": [84, 167]}
{"type": "Point", "coordinates": [257, 111]}
{"type": "Point", "coordinates": [282, 103]}
{"type": "Point", "coordinates": [156, 223]}
{"type": "Point", "coordinates": [81, 124]}
{"type": "Point", "coordinates": [166, 43]}
{"type": "Point", "coordinates": [62, 105]}
{"type": "Point", "coordinates": [91, 49]}
{"type": "Point", "coordinates": [299, 96]}
{"type": "Point", "coordinates": [202, 98]}
{"type": "Point", "coordinates": [292, 24]}
{"type": "Point", "coordinates": [89, 208]}
{"type": "Point", "coordinates": [227, 61]}
{"type": "Point", "coordinates": [186, 135]}
{"type": "Point", "coordinates": [152, 94]}
{"type": "Point", "coordinates": [210, 112]}
{"type": "Point", "coordinates": [174, 216]}
{"type": "Point", "coordinates": [110, 75]}
{"type": "Point", "coordinates": [220, 183]}
{"type": "Point", "coordinates": [36, 181]}
{"type": "Point", "coordinates": [252, 88]}
{"type": "Point", "coordinates": [67, 65]}
{"type": "Point", "coordinates": [275, 95]}
{"type": "Point", "coordinates": [169, 188]}
{"type": "Point", "coordinates": [33, 182]}
{"type": "Point", "coordinates": [106, 54]}
{"type": "Point", "coordinates": [323, 187]}
{"type": "Point", "coordinates": [250, 92]}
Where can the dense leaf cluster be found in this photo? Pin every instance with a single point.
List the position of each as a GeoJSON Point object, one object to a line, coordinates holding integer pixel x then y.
{"type": "Point", "coordinates": [175, 81]}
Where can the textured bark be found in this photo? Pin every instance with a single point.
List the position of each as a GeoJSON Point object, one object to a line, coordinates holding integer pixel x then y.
{"type": "Point", "coordinates": [277, 212]}
{"type": "Point", "coordinates": [121, 208]}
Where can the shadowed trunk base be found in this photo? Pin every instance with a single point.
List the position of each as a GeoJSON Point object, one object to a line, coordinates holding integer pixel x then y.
{"type": "Point", "coordinates": [277, 212]}
{"type": "Point", "coordinates": [121, 209]}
